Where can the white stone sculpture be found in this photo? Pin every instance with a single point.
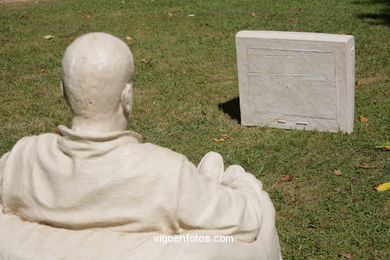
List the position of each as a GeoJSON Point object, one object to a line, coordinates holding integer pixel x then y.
{"type": "Point", "coordinates": [94, 191]}
{"type": "Point", "coordinates": [296, 80]}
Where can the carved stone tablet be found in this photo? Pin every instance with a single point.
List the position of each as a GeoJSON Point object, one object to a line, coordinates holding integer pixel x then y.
{"type": "Point", "coordinates": [296, 80]}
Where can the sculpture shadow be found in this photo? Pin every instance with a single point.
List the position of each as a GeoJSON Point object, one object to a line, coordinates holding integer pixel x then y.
{"type": "Point", "coordinates": [380, 18]}
{"type": "Point", "coordinates": [232, 108]}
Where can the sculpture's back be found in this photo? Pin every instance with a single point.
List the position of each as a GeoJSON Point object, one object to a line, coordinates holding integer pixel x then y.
{"type": "Point", "coordinates": [95, 191]}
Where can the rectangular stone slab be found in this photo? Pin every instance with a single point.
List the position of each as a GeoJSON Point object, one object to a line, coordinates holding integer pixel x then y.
{"type": "Point", "coordinates": [296, 80]}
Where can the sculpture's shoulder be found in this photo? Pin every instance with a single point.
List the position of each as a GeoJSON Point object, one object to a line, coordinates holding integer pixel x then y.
{"type": "Point", "coordinates": [24, 152]}
{"type": "Point", "coordinates": [36, 139]}
{"type": "Point", "coordinates": [161, 157]}
{"type": "Point", "coordinates": [162, 152]}
{"type": "Point", "coordinates": [28, 145]}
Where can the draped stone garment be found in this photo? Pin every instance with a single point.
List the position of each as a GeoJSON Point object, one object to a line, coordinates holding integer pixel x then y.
{"type": "Point", "coordinates": [115, 187]}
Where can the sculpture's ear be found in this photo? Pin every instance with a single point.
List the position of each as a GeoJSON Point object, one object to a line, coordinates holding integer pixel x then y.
{"type": "Point", "coordinates": [63, 90]}
{"type": "Point", "coordinates": [127, 99]}
{"type": "Point", "coordinates": [62, 87]}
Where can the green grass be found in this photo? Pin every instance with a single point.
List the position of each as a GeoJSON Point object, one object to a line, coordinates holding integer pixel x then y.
{"type": "Point", "coordinates": [192, 70]}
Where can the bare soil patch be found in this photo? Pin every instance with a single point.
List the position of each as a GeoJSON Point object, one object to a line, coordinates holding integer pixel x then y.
{"type": "Point", "coordinates": [12, 1]}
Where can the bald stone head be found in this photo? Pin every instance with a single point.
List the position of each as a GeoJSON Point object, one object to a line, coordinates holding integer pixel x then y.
{"type": "Point", "coordinates": [97, 69]}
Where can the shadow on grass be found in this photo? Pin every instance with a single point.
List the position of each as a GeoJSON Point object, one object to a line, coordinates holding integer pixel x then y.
{"type": "Point", "coordinates": [380, 18]}
{"type": "Point", "coordinates": [232, 108]}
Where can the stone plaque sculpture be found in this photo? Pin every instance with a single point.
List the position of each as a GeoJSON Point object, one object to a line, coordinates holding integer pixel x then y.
{"type": "Point", "coordinates": [296, 80]}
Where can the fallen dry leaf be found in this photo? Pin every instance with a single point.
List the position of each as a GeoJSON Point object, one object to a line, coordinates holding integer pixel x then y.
{"type": "Point", "coordinates": [218, 140]}
{"type": "Point", "coordinates": [145, 61]}
{"type": "Point", "coordinates": [383, 187]}
{"type": "Point", "coordinates": [346, 255]}
{"type": "Point", "coordinates": [48, 37]}
{"type": "Point", "coordinates": [87, 16]}
{"type": "Point", "coordinates": [191, 15]}
{"type": "Point", "coordinates": [301, 10]}
{"type": "Point", "coordinates": [337, 172]}
{"type": "Point", "coordinates": [367, 166]}
{"type": "Point", "coordinates": [363, 119]}
{"type": "Point", "coordinates": [221, 139]}
{"type": "Point", "coordinates": [128, 38]}
{"type": "Point", "coordinates": [253, 14]}
{"type": "Point", "coordinates": [170, 14]}
{"type": "Point", "coordinates": [286, 178]}
{"type": "Point", "coordinates": [385, 146]}
{"type": "Point", "coordinates": [42, 69]}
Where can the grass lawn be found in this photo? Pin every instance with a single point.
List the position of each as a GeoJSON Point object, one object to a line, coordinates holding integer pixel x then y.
{"type": "Point", "coordinates": [186, 70]}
